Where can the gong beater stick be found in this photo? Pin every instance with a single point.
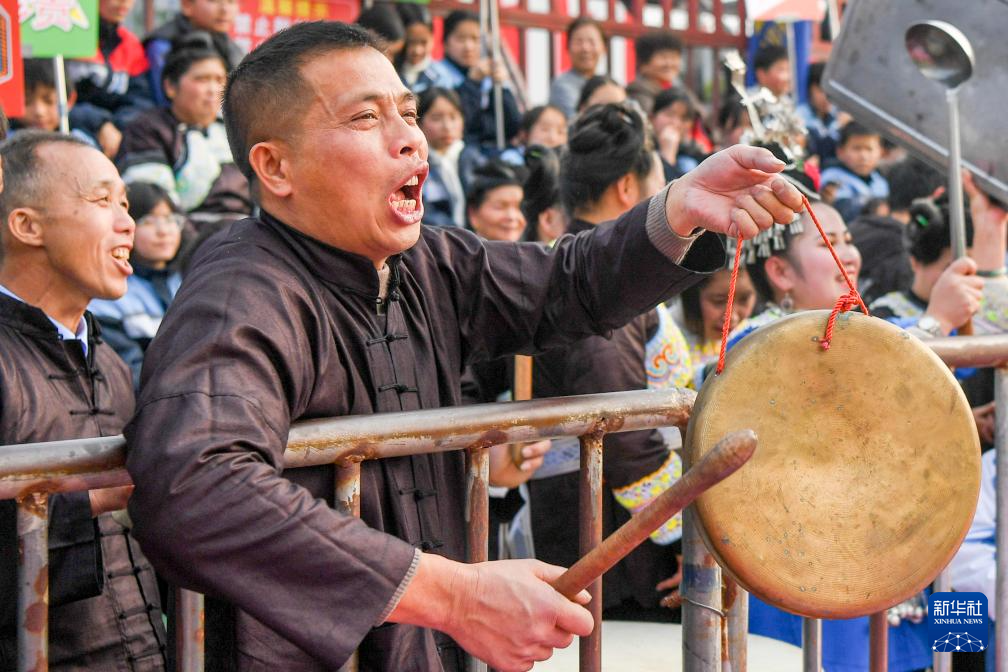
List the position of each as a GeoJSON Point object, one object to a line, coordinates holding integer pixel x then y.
{"type": "Point", "coordinates": [722, 461]}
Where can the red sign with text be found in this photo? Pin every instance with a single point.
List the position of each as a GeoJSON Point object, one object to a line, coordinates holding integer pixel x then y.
{"type": "Point", "coordinates": [258, 19]}
{"type": "Point", "coordinates": [11, 72]}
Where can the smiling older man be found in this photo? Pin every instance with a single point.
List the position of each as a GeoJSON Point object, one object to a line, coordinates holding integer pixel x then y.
{"type": "Point", "coordinates": [335, 301]}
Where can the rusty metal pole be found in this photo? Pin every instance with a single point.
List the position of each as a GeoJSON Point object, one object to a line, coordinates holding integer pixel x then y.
{"type": "Point", "coordinates": [942, 661]}
{"type": "Point", "coordinates": [348, 501]}
{"type": "Point", "coordinates": [878, 642]}
{"type": "Point", "coordinates": [590, 527]}
{"type": "Point", "coordinates": [348, 489]}
{"type": "Point", "coordinates": [701, 607]}
{"type": "Point", "coordinates": [811, 645]}
{"type": "Point", "coordinates": [477, 517]}
{"type": "Point", "coordinates": [738, 631]}
{"type": "Point", "coordinates": [33, 582]}
{"type": "Point", "coordinates": [190, 630]}
{"type": "Point", "coordinates": [1001, 521]}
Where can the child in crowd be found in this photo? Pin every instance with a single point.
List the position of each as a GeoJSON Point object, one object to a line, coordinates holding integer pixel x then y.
{"type": "Point", "coordinates": [42, 107]}
{"type": "Point", "coordinates": [673, 118]}
{"type": "Point", "coordinates": [414, 63]}
{"type": "Point", "coordinates": [544, 125]}
{"type": "Point", "coordinates": [183, 148]}
{"type": "Point", "coordinates": [659, 60]}
{"type": "Point", "coordinates": [451, 160]}
{"type": "Point", "coordinates": [113, 84]}
{"type": "Point", "coordinates": [130, 322]}
{"type": "Point", "coordinates": [214, 18]}
{"type": "Point", "coordinates": [600, 90]}
{"type": "Point", "coordinates": [466, 70]}
{"type": "Point", "coordinates": [821, 117]}
{"type": "Point", "coordinates": [856, 176]}
{"type": "Point", "coordinates": [773, 70]}
{"type": "Point", "coordinates": [586, 46]}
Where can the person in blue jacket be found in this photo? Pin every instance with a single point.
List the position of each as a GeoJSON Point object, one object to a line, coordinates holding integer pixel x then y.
{"type": "Point", "coordinates": [129, 323]}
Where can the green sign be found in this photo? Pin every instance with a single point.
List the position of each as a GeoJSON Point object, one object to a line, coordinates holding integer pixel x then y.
{"type": "Point", "coordinates": [59, 27]}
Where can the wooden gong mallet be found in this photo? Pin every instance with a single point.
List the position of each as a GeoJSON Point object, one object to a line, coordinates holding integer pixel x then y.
{"type": "Point", "coordinates": [722, 461]}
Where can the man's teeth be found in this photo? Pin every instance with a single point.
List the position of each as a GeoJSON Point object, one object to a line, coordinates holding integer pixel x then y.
{"type": "Point", "coordinates": [121, 253]}
{"type": "Point", "coordinates": [413, 181]}
{"type": "Point", "coordinates": [407, 204]}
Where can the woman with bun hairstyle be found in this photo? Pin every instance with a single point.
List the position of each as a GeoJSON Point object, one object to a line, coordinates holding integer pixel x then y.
{"type": "Point", "coordinates": [544, 214]}
{"type": "Point", "coordinates": [611, 166]}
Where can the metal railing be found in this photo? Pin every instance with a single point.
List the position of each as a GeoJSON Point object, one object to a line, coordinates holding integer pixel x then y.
{"type": "Point", "coordinates": [29, 472]}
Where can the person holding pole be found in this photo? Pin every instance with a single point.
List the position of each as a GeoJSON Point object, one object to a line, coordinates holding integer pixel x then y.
{"type": "Point", "coordinates": [333, 301]}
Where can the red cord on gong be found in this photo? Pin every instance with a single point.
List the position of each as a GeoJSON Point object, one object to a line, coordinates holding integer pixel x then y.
{"type": "Point", "coordinates": [843, 304]}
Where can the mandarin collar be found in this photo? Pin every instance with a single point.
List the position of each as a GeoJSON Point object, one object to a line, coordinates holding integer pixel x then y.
{"type": "Point", "coordinates": [333, 265]}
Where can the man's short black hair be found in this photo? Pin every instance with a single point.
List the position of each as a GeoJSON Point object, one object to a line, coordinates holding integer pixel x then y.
{"type": "Point", "coordinates": [457, 17]}
{"type": "Point", "coordinates": [38, 72]}
{"type": "Point", "coordinates": [25, 179]}
{"type": "Point", "coordinates": [266, 92]}
{"type": "Point", "coordinates": [649, 44]}
{"type": "Point", "coordinates": [853, 129]}
{"type": "Point", "coordinates": [768, 55]}
{"type": "Point", "coordinates": [582, 21]}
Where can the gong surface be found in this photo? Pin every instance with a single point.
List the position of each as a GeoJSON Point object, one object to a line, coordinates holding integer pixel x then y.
{"type": "Point", "coordinates": [866, 475]}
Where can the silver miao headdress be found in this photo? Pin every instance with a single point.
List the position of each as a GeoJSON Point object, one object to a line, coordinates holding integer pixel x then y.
{"type": "Point", "coordinates": [774, 122]}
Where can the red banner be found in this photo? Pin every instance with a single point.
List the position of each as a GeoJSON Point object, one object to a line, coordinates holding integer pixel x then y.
{"type": "Point", "coordinates": [11, 72]}
{"type": "Point", "coordinates": [258, 19]}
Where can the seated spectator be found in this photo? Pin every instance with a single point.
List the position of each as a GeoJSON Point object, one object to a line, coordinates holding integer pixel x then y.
{"type": "Point", "coordinates": [212, 20]}
{"type": "Point", "coordinates": [545, 125]}
{"type": "Point", "coordinates": [541, 205]}
{"type": "Point", "coordinates": [465, 69]}
{"type": "Point", "coordinates": [600, 90]}
{"type": "Point", "coordinates": [855, 175]}
{"type": "Point", "coordinates": [732, 122]}
{"type": "Point", "coordinates": [586, 46]}
{"type": "Point", "coordinates": [451, 160]}
{"type": "Point", "coordinates": [383, 20]}
{"type": "Point", "coordinates": [673, 118]}
{"type": "Point", "coordinates": [821, 117]}
{"type": "Point", "coordinates": [42, 107]}
{"type": "Point", "coordinates": [659, 61]}
{"type": "Point", "coordinates": [184, 148]}
{"type": "Point", "coordinates": [493, 202]}
{"type": "Point", "coordinates": [415, 64]}
{"type": "Point", "coordinates": [65, 241]}
{"type": "Point", "coordinates": [113, 85]}
{"type": "Point", "coordinates": [131, 321]}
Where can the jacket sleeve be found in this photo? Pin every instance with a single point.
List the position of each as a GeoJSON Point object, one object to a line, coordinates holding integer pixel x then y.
{"type": "Point", "coordinates": [524, 297]}
{"type": "Point", "coordinates": [212, 509]}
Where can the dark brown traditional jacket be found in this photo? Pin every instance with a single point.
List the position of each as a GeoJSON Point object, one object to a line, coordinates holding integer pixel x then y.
{"type": "Point", "coordinates": [611, 363]}
{"type": "Point", "coordinates": [272, 326]}
{"type": "Point", "coordinates": [105, 612]}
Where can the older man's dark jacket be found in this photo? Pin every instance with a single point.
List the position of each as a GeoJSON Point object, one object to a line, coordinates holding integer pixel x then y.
{"type": "Point", "coordinates": [271, 327]}
{"type": "Point", "coordinates": [105, 612]}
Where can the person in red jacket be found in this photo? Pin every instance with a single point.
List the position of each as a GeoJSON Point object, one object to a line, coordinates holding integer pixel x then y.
{"type": "Point", "coordinates": [112, 86]}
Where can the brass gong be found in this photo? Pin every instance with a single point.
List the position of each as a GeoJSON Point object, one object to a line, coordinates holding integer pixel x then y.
{"type": "Point", "coordinates": [867, 472]}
